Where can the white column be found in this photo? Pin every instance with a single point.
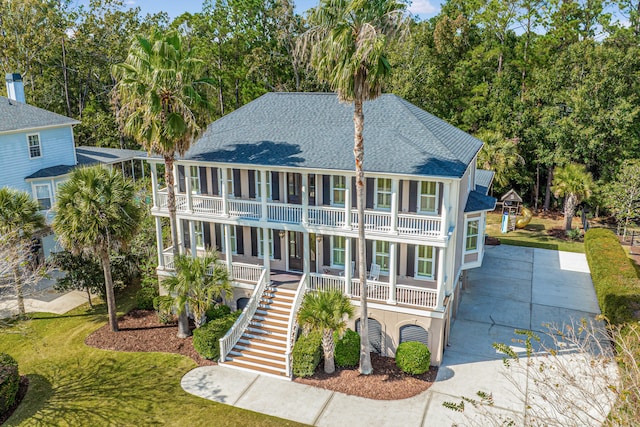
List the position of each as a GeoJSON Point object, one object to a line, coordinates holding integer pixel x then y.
{"type": "Point", "coordinates": [154, 183]}
{"type": "Point", "coordinates": [181, 247]}
{"type": "Point", "coordinates": [444, 209]}
{"type": "Point", "coordinates": [317, 254]}
{"type": "Point", "coordinates": [224, 191]}
{"type": "Point", "coordinates": [394, 205]}
{"type": "Point", "coordinates": [133, 171]}
{"type": "Point", "coordinates": [227, 248]}
{"type": "Point", "coordinates": [263, 195]}
{"type": "Point", "coordinates": [306, 253]}
{"type": "Point", "coordinates": [393, 270]}
{"type": "Point", "coordinates": [440, 278]}
{"type": "Point", "coordinates": [159, 244]}
{"type": "Point", "coordinates": [347, 202]}
{"type": "Point", "coordinates": [192, 238]}
{"type": "Point", "coordinates": [305, 199]}
{"type": "Point", "coordinates": [266, 249]}
{"type": "Point", "coordinates": [187, 186]}
{"type": "Point", "coordinates": [347, 266]}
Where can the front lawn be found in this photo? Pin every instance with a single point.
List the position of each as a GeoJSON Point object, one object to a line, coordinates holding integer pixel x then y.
{"type": "Point", "coordinates": [76, 385]}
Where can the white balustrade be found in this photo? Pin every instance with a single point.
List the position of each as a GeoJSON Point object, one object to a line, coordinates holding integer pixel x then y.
{"type": "Point", "coordinates": [325, 282]}
{"type": "Point", "coordinates": [419, 297]}
{"type": "Point", "coordinates": [418, 225]}
{"type": "Point", "coordinates": [373, 221]}
{"type": "Point", "coordinates": [292, 327]}
{"type": "Point", "coordinates": [233, 335]}
{"type": "Point", "coordinates": [168, 261]}
{"type": "Point", "coordinates": [162, 202]}
{"type": "Point", "coordinates": [279, 212]}
{"type": "Point", "coordinates": [326, 216]}
{"type": "Point", "coordinates": [246, 272]}
{"type": "Point", "coordinates": [376, 291]}
{"type": "Point", "coordinates": [246, 209]}
{"type": "Point", "coordinates": [207, 204]}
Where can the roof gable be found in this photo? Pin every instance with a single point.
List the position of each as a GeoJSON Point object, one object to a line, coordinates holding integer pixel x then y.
{"type": "Point", "coordinates": [17, 116]}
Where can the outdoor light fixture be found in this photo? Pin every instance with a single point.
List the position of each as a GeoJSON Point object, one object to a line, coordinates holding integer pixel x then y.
{"type": "Point", "coordinates": [318, 238]}
{"type": "Point", "coordinates": [281, 234]}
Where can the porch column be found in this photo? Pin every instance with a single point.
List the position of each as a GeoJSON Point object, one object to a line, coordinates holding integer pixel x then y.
{"type": "Point", "coordinates": [159, 244]}
{"type": "Point", "coordinates": [192, 238]}
{"type": "Point", "coordinates": [187, 186]}
{"type": "Point", "coordinates": [181, 247]}
{"type": "Point", "coordinates": [227, 249]}
{"type": "Point", "coordinates": [347, 266]}
{"type": "Point", "coordinates": [305, 200]}
{"type": "Point", "coordinates": [154, 183]}
{"type": "Point", "coordinates": [393, 270]}
{"type": "Point", "coordinates": [347, 202]}
{"type": "Point", "coordinates": [306, 253]}
{"type": "Point", "coordinates": [224, 191]}
{"type": "Point", "coordinates": [394, 205]}
{"type": "Point", "coordinates": [443, 210]}
{"type": "Point", "coordinates": [133, 171]}
{"type": "Point", "coordinates": [266, 250]}
{"type": "Point", "coordinates": [263, 195]}
{"type": "Point", "coordinates": [440, 280]}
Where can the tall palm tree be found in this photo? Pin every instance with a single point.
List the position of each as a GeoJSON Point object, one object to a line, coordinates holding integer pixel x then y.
{"type": "Point", "coordinates": [348, 42]}
{"type": "Point", "coordinates": [95, 214]}
{"type": "Point", "coordinates": [162, 103]}
{"type": "Point", "coordinates": [575, 184]}
{"type": "Point", "coordinates": [20, 217]}
{"type": "Point", "coordinates": [325, 311]}
{"type": "Point", "coordinates": [198, 282]}
{"type": "Point", "coordinates": [500, 155]}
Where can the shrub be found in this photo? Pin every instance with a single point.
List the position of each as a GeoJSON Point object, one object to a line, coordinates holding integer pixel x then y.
{"type": "Point", "coordinates": [217, 311]}
{"type": "Point", "coordinates": [614, 277]}
{"type": "Point", "coordinates": [206, 339]}
{"type": "Point", "coordinates": [9, 382]}
{"type": "Point", "coordinates": [163, 305]}
{"type": "Point", "coordinates": [307, 353]}
{"type": "Point", "coordinates": [347, 351]}
{"type": "Point", "coordinates": [145, 297]}
{"type": "Point", "coordinates": [413, 357]}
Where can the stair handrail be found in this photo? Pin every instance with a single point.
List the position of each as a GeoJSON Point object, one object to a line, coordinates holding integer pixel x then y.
{"type": "Point", "coordinates": [292, 327]}
{"type": "Point", "coordinates": [230, 339]}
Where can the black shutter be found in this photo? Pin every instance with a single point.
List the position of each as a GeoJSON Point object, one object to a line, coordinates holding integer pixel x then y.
{"type": "Point", "coordinates": [218, 231]}
{"type": "Point", "coordinates": [276, 245]}
{"type": "Point", "coordinates": [185, 233]}
{"type": "Point", "coordinates": [413, 196]}
{"type": "Point", "coordinates": [326, 250]}
{"type": "Point", "coordinates": [240, 240]}
{"type": "Point", "coordinates": [369, 252]}
{"type": "Point", "coordinates": [204, 182]}
{"type": "Point", "coordinates": [411, 260]}
{"type": "Point", "coordinates": [252, 184]}
{"type": "Point", "coordinates": [237, 191]}
{"type": "Point", "coordinates": [181, 185]}
{"type": "Point", "coordinates": [326, 190]}
{"type": "Point", "coordinates": [275, 185]}
{"type": "Point", "coordinates": [214, 178]}
{"type": "Point", "coordinates": [370, 186]}
{"type": "Point", "coordinates": [207, 235]}
{"type": "Point", "coordinates": [400, 196]}
{"type": "Point", "coordinates": [439, 207]}
{"type": "Point", "coordinates": [354, 193]}
{"type": "Point", "coordinates": [254, 241]}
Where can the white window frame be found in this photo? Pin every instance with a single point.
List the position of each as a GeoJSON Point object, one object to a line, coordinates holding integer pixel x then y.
{"type": "Point", "coordinates": [422, 195]}
{"type": "Point", "coordinates": [35, 194]}
{"type": "Point", "coordinates": [467, 236]}
{"type": "Point", "coordinates": [233, 238]}
{"type": "Point", "coordinates": [376, 253]}
{"type": "Point", "coordinates": [229, 178]}
{"type": "Point", "coordinates": [259, 186]}
{"type": "Point", "coordinates": [417, 274]}
{"type": "Point", "coordinates": [335, 189]}
{"type": "Point", "coordinates": [385, 192]}
{"type": "Point", "coordinates": [261, 243]}
{"type": "Point", "coordinates": [195, 180]}
{"type": "Point", "coordinates": [29, 145]}
{"type": "Point", "coordinates": [198, 232]}
{"type": "Point", "coordinates": [336, 248]}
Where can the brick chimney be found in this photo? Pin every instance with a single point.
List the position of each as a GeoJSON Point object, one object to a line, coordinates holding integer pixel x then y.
{"type": "Point", "coordinates": [15, 88]}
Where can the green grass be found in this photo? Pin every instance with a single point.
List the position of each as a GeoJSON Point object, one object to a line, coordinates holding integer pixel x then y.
{"type": "Point", "coordinates": [71, 384]}
{"type": "Point", "coordinates": [534, 235]}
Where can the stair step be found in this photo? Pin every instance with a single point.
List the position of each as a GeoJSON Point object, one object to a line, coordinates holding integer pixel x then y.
{"type": "Point", "coordinates": [266, 370]}
{"type": "Point", "coordinates": [270, 321]}
{"type": "Point", "coordinates": [276, 357]}
{"type": "Point", "coordinates": [272, 304]}
{"type": "Point", "coordinates": [258, 334]}
{"type": "Point", "coordinates": [268, 330]}
{"type": "Point", "coordinates": [258, 362]}
{"type": "Point", "coordinates": [274, 314]}
{"type": "Point", "coordinates": [262, 346]}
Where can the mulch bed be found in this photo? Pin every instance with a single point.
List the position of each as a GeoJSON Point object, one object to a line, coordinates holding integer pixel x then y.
{"type": "Point", "coordinates": [22, 391]}
{"type": "Point", "coordinates": [140, 330]}
{"type": "Point", "coordinates": [386, 383]}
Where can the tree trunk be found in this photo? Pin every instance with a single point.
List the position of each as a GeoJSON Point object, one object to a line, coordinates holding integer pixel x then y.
{"type": "Point", "coordinates": [108, 282]}
{"type": "Point", "coordinates": [328, 349]}
{"type": "Point", "coordinates": [569, 210]}
{"type": "Point", "coordinates": [358, 152]}
{"type": "Point", "coordinates": [89, 297]}
{"type": "Point", "coordinates": [18, 285]}
{"type": "Point", "coordinates": [66, 78]}
{"type": "Point", "coordinates": [537, 190]}
{"type": "Point", "coordinates": [547, 193]}
{"type": "Point", "coordinates": [183, 323]}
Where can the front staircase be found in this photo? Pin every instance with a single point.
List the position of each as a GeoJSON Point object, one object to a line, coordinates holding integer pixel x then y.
{"type": "Point", "coordinates": [263, 345]}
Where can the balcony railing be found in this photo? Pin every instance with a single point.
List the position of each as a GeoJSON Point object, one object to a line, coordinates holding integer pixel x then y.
{"type": "Point", "coordinates": [239, 271]}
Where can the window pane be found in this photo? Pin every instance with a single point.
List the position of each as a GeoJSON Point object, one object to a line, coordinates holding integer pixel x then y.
{"type": "Point", "coordinates": [384, 184]}
{"type": "Point", "coordinates": [34, 146]}
{"type": "Point", "coordinates": [44, 196]}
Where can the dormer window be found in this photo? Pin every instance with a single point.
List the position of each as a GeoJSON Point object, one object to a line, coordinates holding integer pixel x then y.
{"type": "Point", "coordinates": [35, 150]}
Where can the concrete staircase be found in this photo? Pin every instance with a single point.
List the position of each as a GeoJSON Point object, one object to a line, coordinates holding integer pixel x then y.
{"type": "Point", "coordinates": [263, 345]}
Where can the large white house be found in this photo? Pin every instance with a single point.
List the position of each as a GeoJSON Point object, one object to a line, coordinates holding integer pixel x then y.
{"type": "Point", "coordinates": [271, 186]}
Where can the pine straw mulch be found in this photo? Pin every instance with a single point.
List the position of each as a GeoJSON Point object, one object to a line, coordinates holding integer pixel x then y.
{"type": "Point", "coordinates": [387, 382]}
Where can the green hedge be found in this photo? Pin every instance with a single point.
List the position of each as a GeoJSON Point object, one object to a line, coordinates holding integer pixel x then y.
{"type": "Point", "coordinates": [9, 382]}
{"type": "Point", "coordinates": [347, 351]}
{"type": "Point", "coordinates": [306, 354]}
{"type": "Point", "coordinates": [206, 339]}
{"type": "Point", "coordinates": [614, 277]}
{"type": "Point", "coordinates": [413, 357]}
{"type": "Point", "coordinates": [217, 311]}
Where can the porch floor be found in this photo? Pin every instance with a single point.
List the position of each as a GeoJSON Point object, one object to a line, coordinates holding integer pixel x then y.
{"type": "Point", "coordinates": [285, 279]}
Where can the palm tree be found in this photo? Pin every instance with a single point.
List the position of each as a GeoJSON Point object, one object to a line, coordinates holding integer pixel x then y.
{"type": "Point", "coordinates": [95, 214]}
{"type": "Point", "coordinates": [162, 102]}
{"type": "Point", "coordinates": [325, 311]}
{"type": "Point", "coordinates": [20, 217]}
{"type": "Point", "coordinates": [500, 155]}
{"type": "Point", "coordinates": [348, 42]}
{"type": "Point", "coordinates": [198, 282]}
{"type": "Point", "coordinates": [575, 184]}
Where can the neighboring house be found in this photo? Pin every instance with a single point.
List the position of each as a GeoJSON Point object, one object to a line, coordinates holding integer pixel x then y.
{"type": "Point", "coordinates": [37, 151]}
{"type": "Point", "coordinates": [272, 187]}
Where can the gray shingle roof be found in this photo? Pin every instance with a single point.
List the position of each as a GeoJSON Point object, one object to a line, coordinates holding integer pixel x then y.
{"type": "Point", "coordinates": [484, 178]}
{"type": "Point", "coordinates": [17, 116]}
{"type": "Point", "coordinates": [89, 156]}
{"type": "Point", "coordinates": [314, 130]}
{"type": "Point", "coordinates": [479, 202]}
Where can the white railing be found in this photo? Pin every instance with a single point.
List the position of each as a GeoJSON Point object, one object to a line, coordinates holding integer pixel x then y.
{"type": "Point", "coordinates": [292, 327]}
{"type": "Point", "coordinates": [374, 221]}
{"type": "Point", "coordinates": [246, 272]}
{"type": "Point", "coordinates": [325, 282]}
{"type": "Point", "coordinates": [420, 297]}
{"type": "Point", "coordinates": [207, 204]}
{"type": "Point", "coordinates": [233, 335]}
{"type": "Point", "coordinates": [168, 261]}
{"type": "Point", "coordinates": [416, 225]}
{"type": "Point", "coordinates": [279, 212]}
{"type": "Point", "coordinates": [376, 291]}
{"type": "Point", "coordinates": [162, 199]}
{"type": "Point", "coordinates": [332, 217]}
{"type": "Point", "coordinates": [247, 209]}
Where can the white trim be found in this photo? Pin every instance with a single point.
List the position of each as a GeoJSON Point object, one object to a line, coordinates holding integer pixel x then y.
{"type": "Point", "coordinates": [261, 243]}
{"type": "Point", "coordinates": [421, 194]}
{"type": "Point", "coordinates": [334, 188]}
{"type": "Point", "coordinates": [417, 259]}
{"type": "Point", "coordinates": [258, 183]}
{"type": "Point", "coordinates": [374, 254]}
{"type": "Point", "coordinates": [34, 188]}
{"type": "Point", "coordinates": [39, 145]}
{"type": "Point", "coordinates": [228, 179]}
{"type": "Point", "coordinates": [377, 193]}
{"type": "Point", "coordinates": [344, 250]}
{"type": "Point", "coordinates": [464, 240]}
{"type": "Point", "coordinates": [40, 128]}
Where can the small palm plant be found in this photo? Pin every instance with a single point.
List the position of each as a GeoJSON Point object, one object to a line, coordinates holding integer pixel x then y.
{"type": "Point", "coordinates": [325, 311]}
{"type": "Point", "coordinates": [198, 282]}
{"type": "Point", "coordinates": [575, 184]}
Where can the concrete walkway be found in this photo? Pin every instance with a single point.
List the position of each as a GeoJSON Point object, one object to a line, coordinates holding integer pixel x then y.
{"type": "Point", "coordinates": [515, 288]}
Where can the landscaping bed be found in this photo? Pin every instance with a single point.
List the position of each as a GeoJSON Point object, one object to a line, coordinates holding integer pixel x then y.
{"type": "Point", "coordinates": [387, 382]}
